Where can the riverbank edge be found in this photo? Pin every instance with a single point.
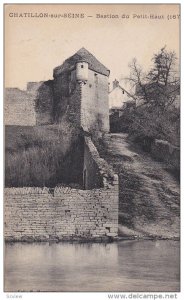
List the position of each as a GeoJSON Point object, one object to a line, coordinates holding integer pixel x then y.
{"type": "Point", "coordinates": [86, 240]}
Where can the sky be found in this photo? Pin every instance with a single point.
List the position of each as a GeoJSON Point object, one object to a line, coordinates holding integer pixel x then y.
{"type": "Point", "coordinates": [34, 46]}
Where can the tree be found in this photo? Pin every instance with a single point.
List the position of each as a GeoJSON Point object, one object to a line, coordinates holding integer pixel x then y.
{"type": "Point", "coordinates": [163, 71]}
{"type": "Point", "coordinates": [137, 80]}
{"type": "Point", "coordinates": [164, 77]}
{"type": "Point", "coordinates": [160, 86]}
{"type": "Point", "coordinates": [156, 90]}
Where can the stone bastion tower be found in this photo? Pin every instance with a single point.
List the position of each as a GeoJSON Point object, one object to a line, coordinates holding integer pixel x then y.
{"type": "Point", "coordinates": [80, 89]}
{"type": "Point", "coordinates": [79, 92]}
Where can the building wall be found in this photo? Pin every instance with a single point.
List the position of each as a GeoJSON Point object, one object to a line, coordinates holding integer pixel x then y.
{"type": "Point", "coordinates": [19, 107]}
{"type": "Point", "coordinates": [86, 104]}
{"type": "Point", "coordinates": [117, 98]}
{"type": "Point", "coordinates": [67, 97]}
{"type": "Point", "coordinates": [31, 107]}
{"type": "Point", "coordinates": [94, 103]}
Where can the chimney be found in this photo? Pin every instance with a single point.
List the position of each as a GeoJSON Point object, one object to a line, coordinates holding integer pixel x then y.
{"type": "Point", "coordinates": [115, 84]}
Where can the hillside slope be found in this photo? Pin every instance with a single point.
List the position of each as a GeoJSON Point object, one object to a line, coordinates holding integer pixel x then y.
{"type": "Point", "coordinates": [149, 194]}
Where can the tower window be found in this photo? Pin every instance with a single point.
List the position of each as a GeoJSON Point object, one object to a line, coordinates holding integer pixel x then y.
{"type": "Point", "coordinates": [96, 78]}
{"type": "Point", "coordinates": [82, 66]}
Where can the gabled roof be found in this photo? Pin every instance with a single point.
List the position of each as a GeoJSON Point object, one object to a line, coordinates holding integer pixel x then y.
{"type": "Point", "coordinates": [116, 88]}
{"type": "Point", "coordinates": [123, 89]}
{"type": "Point", "coordinates": [84, 56]}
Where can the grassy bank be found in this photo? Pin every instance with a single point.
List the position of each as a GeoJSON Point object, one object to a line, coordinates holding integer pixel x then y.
{"type": "Point", "coordinates": [37, 156]}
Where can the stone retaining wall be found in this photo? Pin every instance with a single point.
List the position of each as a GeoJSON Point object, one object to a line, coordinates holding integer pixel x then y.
{"type": "Point", "coordinates": [63, 213]}
{"type": "Point", "coordinates": [19, 107]}
{"type": "Point", "coordinates": [37, 214]}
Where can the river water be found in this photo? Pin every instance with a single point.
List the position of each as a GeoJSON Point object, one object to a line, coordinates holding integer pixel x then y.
{"type": "Point", "coordinates": [123, 266]}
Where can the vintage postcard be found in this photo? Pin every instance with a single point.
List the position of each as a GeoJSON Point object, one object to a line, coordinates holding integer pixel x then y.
{"type": "Point", "coordinates": [92, 148]}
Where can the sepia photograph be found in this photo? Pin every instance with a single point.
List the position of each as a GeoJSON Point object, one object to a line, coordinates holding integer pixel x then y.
{"type": "Point", "coordinates": [92, 148]}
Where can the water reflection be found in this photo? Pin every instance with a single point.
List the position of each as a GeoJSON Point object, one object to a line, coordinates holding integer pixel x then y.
{"type": "Point", "coordinates": [123, 266]}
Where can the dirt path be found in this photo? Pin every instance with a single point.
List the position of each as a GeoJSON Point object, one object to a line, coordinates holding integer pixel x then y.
{"type": "Point", "coordinates": [149, 195]}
